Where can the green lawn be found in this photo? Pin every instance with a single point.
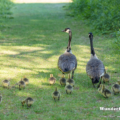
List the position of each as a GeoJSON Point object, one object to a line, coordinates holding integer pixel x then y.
{"type": "Point", "coordinates": [31, 42]}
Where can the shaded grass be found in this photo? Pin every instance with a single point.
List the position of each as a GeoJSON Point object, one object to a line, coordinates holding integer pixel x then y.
{"type": "Point", "coordinates": [30, 45]}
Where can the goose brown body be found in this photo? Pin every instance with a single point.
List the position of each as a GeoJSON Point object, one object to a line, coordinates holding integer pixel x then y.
{"type": "Point", "coordinates": [95, 68]}
{"type": "Point", "coordinates": [67, 62]}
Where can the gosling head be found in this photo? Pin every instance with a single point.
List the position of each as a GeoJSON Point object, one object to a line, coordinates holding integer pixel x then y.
{"type": "Point", "coordinates": [23, 102]}
{"type": "Point", "coordinates": [67, 30]}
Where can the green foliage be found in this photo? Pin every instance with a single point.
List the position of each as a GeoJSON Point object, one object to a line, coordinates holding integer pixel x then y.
{"type": "Point", "coordinates": [116, 42]}
{"type": "Point", "coordinates": [5, 6]}
{"type": "Point", "coordinates": [103, 15]}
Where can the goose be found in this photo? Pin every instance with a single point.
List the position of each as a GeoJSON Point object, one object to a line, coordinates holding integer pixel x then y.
{"type": "Point", "coordinates": [6, 83]}
{"type": "Point", "coordinates": [116, 87]}
{"type": "Point", "coordinates": [21, 84]}
{"type": "Point", "coordinates": [106, 77]}
{"type": "Point", "coordinates": [52, 79]}
{"type": "Point", "coordinates": [68, 88]}
{"type": "Point", "coordinates": [56, 94]}
{"type": "Point", "coordinates": [104, 91]}
{"type": "Point", "coordinates": [28, 101]}
{"type": "Point", "coordinates": [94, 68]}
{"type": "Point", "coordinates": [26, 80]}
{"type": "Point", "coordinates": [67, 62]}
{"type": "Point", "coordinates": [70, 81]}
{"type": "Point", "coordinates": [62, 80]}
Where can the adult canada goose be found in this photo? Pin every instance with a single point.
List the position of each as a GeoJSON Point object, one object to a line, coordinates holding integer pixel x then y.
{"type": "Point", "coordinates": [56, 94]}
{"type": "Point", "coordinates": [67, 62]}
{"type": "Point", "coordinates": [0, 98]}
{"type": "Point", "coordinates": [29, 101]}
{"type": "Point", "coordinates": [62, 80]}
{"type": "Point", "coordinates": [52, 79]}
{"type": "Point", "coordinates": [6, 83]}
{"type": "Point", "coordinates": [94, 68]}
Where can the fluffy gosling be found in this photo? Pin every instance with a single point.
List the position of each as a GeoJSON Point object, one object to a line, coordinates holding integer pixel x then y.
{"type": "Point", "coordinates": [116, 88]}
{"type": "Point", "coordinates": [62, 80]}
{"type": "Point", "coordinates": [26, 80]}
{"type": "Point", "coordinates": [6, 83]}
{"type": "Point", "coordinates": [21, 84]}
{"type": "Point", "coordinates": [106, 78]}
{"type": "Point", "coordinates": [28, 101]}
{"type": "Point", "coordinates": [56, 94]}
{"type": "Point", "coordinates": [104, 91]}
{"type": "Point", "coordinates": [52, 79]}
{"type": "Point", "coordinates": [70, 81]}
{"type": "Point", "coordinates": [68, 88]}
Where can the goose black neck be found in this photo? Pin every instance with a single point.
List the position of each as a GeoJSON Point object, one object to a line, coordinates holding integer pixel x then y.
{"type": "Point", "coordinates": [69, 42]}
{"type": "Point", "coordinates": [91, 44]}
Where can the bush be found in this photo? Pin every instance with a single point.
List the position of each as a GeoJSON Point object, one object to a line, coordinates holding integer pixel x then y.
{"type": "Point", "coordinates": [5, 6]}
{"type": "Point", "coordinates": [103, 15]}
{"type": "Point", "coordinates": [116, 42]}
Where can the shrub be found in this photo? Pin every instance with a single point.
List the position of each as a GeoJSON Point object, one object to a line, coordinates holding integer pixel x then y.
{"type": "Point", "coordinates": [116, 42]}
{"type": "Point", "coordinates": [5, 6]}
{"type": "Point", "coordinates": [103, 15]}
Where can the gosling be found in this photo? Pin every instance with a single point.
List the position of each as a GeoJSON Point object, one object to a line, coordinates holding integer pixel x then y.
{"type": "Point", "coordinates": [28, 101]}
{"type": "Point", "coordinates": [52, 79]}
{"type": "Point", "coordinates": [6, 83]}
{"type": "Point", "coordinates": [104, 91]}
{"type": "Point", "coordinates": [62, 80]}
{"type": "Point", "coordinates": [26, 80]}
{"type": "Point", "coordinates": [68, 88]}
{"type": "Point", "coordinates": [70, 81]}
{"type": "Point", "coordinates": [106, 78]}
{"type": "Point", "coordinates": [56, 94]}
{"type": "Point", "coordinates": [116, 88]}
{"type": "Point", "coordinates": [21, 84]}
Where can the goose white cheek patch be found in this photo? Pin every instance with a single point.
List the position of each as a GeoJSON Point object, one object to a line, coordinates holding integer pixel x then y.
{"type": "Point", "coordinates": [67, 31]}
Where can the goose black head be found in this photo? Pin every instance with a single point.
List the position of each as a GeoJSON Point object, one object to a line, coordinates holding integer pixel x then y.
{"type": "Point", "coordinates": [90, 35]}
{"type": "Point", "coordinates": [68, 50]}
{"type": "Point", "coordinates": [67, 30]}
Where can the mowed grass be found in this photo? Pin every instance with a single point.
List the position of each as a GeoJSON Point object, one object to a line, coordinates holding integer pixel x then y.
{"type": "Point", "coordinates": [30, 45]}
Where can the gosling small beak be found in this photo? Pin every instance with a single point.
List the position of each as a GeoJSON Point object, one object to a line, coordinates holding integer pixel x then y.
{"type": "Point", "coordinates": [63, 30]}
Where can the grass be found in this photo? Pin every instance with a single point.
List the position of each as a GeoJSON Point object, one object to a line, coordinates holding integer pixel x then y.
{"type": "Point", "coordinates": [30, 45]}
